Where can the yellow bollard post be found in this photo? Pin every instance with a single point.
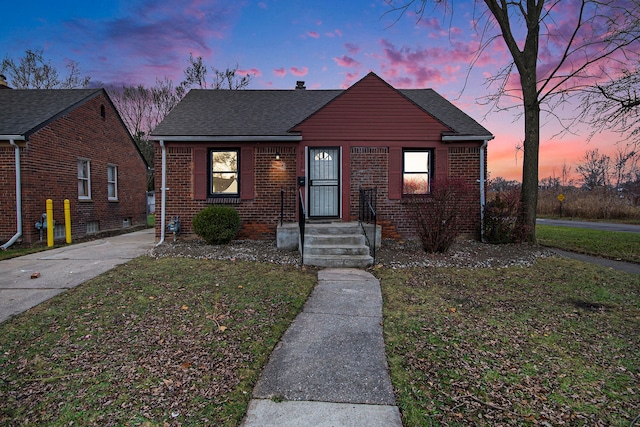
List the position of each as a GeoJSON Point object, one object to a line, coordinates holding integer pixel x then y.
{"type": "Point", "coordinates": [67, 220]}
{"type": "Point", "coordinates": [49, 222]}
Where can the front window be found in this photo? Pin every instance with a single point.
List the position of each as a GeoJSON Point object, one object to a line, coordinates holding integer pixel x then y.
{"type": "Point", "coordinates": [84, 179]}
{"type": "Point", "coordinates": [224, 173]}
{"type": "Point", "coordinates": [416, 172]}
{"type": "Point", "coordinates": [112, 182]}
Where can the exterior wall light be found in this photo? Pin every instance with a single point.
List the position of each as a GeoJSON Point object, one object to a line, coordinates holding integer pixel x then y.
{"type": "Point", "coordinates": [277, 155]}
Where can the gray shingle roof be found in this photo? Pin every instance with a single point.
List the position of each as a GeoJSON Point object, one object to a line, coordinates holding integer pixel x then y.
{"type": "Point", "coordinates": [206, 112]}
{"type": "Point", "coordinates": [215, 113]}
{"type": "Point", "coordinates": [23, 112]}
{"type": "Point", "coordinates": [443, 110]}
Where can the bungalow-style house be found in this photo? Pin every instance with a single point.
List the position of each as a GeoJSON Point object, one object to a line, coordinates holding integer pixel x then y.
{"type": "Point", "coordinates": [257, 150]}
{"type": "Point", "coordinates": [67, 144]}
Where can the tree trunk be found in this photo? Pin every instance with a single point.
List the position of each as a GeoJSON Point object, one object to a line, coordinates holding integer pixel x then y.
{"type": "Point", "coordinates": [529, 194]}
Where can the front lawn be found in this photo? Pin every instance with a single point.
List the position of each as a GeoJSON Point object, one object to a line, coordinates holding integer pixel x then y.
{"type": "Point", "coordinates": [608, 244]}
{"type": "Point", "coordinates": [153, 342]}
{"type": "Point", "coordinates": [551, 344]}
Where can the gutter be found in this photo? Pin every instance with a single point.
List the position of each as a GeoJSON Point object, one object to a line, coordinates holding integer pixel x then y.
{"type": "Point", "coordinates": [18, 194]}
{"type": "Point", "coordinates": [163, 191]}
{"type": "Point", "coordinates": [229, 138]}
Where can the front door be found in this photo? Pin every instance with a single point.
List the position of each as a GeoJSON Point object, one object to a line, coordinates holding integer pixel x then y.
{"type": "Point", "coordinates": [324, 182]}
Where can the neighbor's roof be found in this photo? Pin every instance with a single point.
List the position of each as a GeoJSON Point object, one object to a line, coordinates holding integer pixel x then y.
{"type": "Point", "coordinates": [24, 111]}
{"type": "Point", "coordinates": [234, 113]}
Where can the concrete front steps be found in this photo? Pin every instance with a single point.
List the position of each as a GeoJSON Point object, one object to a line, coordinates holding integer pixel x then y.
{"type": "Point", "coordinates": [336, 245]}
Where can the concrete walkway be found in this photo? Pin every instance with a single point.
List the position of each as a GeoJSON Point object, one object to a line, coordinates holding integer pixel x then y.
{"type": "Point", "coordinates": [330, 367]}
{"type": "Point", "coordinates": [63, 268]}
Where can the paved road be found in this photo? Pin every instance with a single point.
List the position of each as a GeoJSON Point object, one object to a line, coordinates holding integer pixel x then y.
{"type": "Point", "coordinates": [63, 268]}
{"type": "Point", "coordinates": [606, 226]}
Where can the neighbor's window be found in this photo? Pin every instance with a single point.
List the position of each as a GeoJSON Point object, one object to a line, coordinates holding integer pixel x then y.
{"type": "Point", "coordinates": [224, 173]}
{"type": "Point", "coordinates": [112, 182]}
{"type": "Point", "coordinates": [84, 179]}
{"type": "Point", "coordinates": [416, 172]}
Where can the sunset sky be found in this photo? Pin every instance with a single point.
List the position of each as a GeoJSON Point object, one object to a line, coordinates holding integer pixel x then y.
{"type": "Point", "coordinates": [329, 44]}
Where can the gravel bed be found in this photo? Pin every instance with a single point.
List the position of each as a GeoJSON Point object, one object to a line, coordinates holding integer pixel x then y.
{"type": "Point", "coordinates": [393, 254]}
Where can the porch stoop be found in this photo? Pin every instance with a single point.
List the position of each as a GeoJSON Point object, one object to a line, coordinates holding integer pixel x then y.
{"type": "Point", "coordinates": [339, 244]}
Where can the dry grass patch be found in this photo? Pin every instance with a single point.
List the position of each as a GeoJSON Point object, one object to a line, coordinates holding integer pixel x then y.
{"type": "Point", "coordinates": [152, 342]}
{"type": "Point", "coordinates": [551, 344]}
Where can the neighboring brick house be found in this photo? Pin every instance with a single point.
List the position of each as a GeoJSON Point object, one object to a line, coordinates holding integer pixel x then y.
{"type": "Point", "coordinates": [67, 144]}
{"type": "Point", "coordinates": [243, 148]}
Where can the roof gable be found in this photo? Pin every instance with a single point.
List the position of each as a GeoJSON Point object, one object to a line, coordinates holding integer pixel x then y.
{"type": "Point", "coordinates": [25, 111]}
{"type": "Point", "coordinates": [373, 104]}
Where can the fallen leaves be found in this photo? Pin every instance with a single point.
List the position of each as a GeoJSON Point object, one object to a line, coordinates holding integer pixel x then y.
{"type": "Point", "coordinates": [149, 340]}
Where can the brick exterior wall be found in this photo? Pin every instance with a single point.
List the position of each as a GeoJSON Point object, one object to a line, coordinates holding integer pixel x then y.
{"type": "Point", "coordinates": [259, 215]}
{"type": "Point", "coordinates": [370, 168]}
{"type": "Point", "coordinates": [49, 171]}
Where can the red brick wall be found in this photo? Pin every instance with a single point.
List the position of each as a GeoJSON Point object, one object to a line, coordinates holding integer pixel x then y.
{"type": "Point", "coordinates": [369, 168]}
{"type": "Point", "coordinates": [49, 170]}
{"type": "Point", "coordinates": [259, 215]}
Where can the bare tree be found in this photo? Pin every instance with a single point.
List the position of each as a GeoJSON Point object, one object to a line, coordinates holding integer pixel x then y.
{"type": "Point", "coordinates": [196, 75]}
{"type": "Point", "coordinates": [34, 72]}
{"type": "Point", "coordinates": [577, 47]}
{"type": "Point", "coordinates": [142, 109]}
{"type": "Point", "coordinates": [595, 169]}
{"type": "Point", "coordinates": [625, 166]}
{"type": "Point", "coordinates": [615, 105]}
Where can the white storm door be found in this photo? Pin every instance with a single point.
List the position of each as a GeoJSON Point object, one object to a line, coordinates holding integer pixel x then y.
{"type": "Point", "coordinates": [324, 182]}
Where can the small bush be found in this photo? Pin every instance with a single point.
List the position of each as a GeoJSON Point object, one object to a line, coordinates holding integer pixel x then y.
{"type": "Point", "coordinates": [217, 224]}
{"type": "Point", "coordinates": [439, 216]}
{"type": "Point", "coordinates": [501, 218]}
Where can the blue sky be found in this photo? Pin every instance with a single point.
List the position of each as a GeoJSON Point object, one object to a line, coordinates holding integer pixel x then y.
{"type": "Point", "coordinates": [327, 43]}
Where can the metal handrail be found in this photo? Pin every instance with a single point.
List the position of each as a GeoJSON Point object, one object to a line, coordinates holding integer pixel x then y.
{"type": "Point", "coordinates": [281, 206]}
{"type": "Point", "coordinates": [367, 213]}
{"type": "Point", "coordinates": [302, 215]}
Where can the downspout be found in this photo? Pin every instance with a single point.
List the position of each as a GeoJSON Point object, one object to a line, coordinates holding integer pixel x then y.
{"type": "Point", "coordinates": [482, 188]}
{"type": "Point", "coordinates": [18, 199]}
{"type": "Point", "coordinates": [163, 192]}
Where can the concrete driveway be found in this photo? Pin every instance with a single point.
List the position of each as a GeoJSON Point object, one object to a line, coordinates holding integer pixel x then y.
{"type": "Point", "coordinates": [64, 268]}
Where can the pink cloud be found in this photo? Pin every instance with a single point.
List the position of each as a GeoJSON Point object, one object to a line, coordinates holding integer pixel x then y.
{"type": "Point", "coordinates": [352, 48]}
{"type": "Point", "coordinates": [250, 71]}
{"type": "Point", "coordinates": [299, 71]}
{"type": "Point", "coordinates": [280, 72]}
{"type": "Point", "coordinates": [350, 79]}
{"type": "Point", "coordinates": [313, 34]}
{"type": "Point", "coordinates": [338, 32]}
{"type": "Point", "coordinates": [347, 62]}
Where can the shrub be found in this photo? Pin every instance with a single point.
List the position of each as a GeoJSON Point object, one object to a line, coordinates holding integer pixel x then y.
{"type": "Point", "coordinates": [217, 224]}
{"type": "Point", "coordinates": [439, 215]}
{"type": "Point", "coordinates": [501, 218]}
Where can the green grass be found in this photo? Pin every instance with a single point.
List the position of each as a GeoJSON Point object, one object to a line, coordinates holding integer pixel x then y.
{"type": "Point", "coordinates": [16, 251]}
{"type": "Point", "coordinates": [608, 244]}
{"type": "Point", "coordinates": [556, 342]}
{"type": "Point", "coordinates": [152, 342]}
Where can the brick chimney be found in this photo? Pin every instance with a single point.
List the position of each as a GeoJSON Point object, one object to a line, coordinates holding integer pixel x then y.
{"type": "Point", "coordinates": [300, 85]}
{"type": "Point", "coordinates": [3, 82]}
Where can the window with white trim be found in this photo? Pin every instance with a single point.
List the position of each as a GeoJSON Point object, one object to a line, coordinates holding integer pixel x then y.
{"type": "Point", "coordinates": [416, 171]}
{"type": "Point", "coordinates": [112, 182]}
{"type": "Point", "coordinates": [223, 176]}
{"type": "Point", "coordinates": [84, 179]}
